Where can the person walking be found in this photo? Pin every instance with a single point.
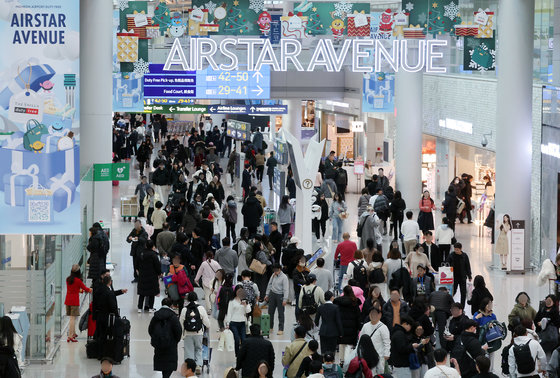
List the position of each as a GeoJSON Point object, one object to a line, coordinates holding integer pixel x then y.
{"type": "Point", "coordinates": [277, 293]}
{"type": "Point", "coordinates": [140, 191]}
{"type": "Point", "coordinates": [271, 164]}
{"type": "Point", "coordinates": [349, 307]}
{"type": "Point", "coordinates": [158, 218]}
{"type": "Point", "coordinates": [478, 294]}
{"type": "Point", "coordinates": [254, 350]}
{"type": "Point", "coordinates": [236, 317]}
{"type": "Point", "coordinates": [229, 214]}
{"type": "Point", "coordinates": [396, 208]}
{"type": "Point", "coordinates": [450, 206]}
{"type": "Point", "coordinates": [165, 333]}
{"type": "Point", "coordinates": [137, 239]}
{"type": "Point", "coordinates": [337, 213]}
{"type": "Point", "coordinates": [425, 216]}
{"type": "Point", "coordinates": [149, 271]}
{"type": "Point", "coordinates": [106, 368]}
{"type": "Point", "coordinates": [329, 320]}
{"type": "Point", "coordinates": [295, 352]}
{"type": "Point", "coordinates": [74, 285]}
{"type": "Point", "coordinates": [411, 232]}
{"type": "Point", "coordinates": [379, 335]}
{"type": "Point", "coordinates": [344, 252]}
{"type": "Point", "coordinates": [227, 257]}
{"type": "Point", "coordinates": [207, 272]}
{"type": "Point", "coordinates": [259, 162]}
{"type": "Point", "coordinates": [461, 270]}
{"type": "Point", "coordinates": [444, 238]}
{"type": "Point", "coordinates": [324, 276]}
{"type": "Point", "coordinates": [402, 346]}
{"type": "Point", "coordinates": [526, 358]}
{"type": "Point", "coordinates": [194, 320]}
{"type": "Point", "coordinates": [252, 213]}
{"type": "Point", "coordinates": [285, 215]}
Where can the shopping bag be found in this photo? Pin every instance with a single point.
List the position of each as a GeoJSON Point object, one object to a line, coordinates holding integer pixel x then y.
{"type": "Point", "coordinates": [445, 275]}
{"type": "Point", "coordinates": [257, 266]}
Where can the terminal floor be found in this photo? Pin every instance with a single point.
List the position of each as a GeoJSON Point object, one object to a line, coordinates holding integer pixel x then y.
{"type": "Point", "coordinates": [71, 361]}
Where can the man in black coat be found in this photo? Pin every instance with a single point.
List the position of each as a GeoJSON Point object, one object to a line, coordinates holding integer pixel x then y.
{"type": "Point", "coordinates": [456, 327]}
{"type": "Point", "coordinates": [275, 238]}
{"type": "Point", "coordinates": [388, 317]}
{"type": "Point", "coordinates": [165, 332]}
{"type": "Point", "coordinates": [252, 212]}
{"type": "Point", "coordinates": [466, 194]}
{"type": "Point", "coordinates": [104, 306]}
{"type": "Point", "coordinates": [137, 237]}
{"type": "Point", "coordinates": [473, 349]}
{"type": "Point", "coordinates": [402, 346]}
{"type": "Point", "coordinates": [271, 163]}
{"type": "Point", "coordinates": [199, 246]}
{"type": "Point", "coordinates": [328, 315]}
{"type": "Point", "coordinates": [246, 180]}
{"type": "Point", "coordinates": [206, 226]}
{"type": "Point", "coordinates": [431, 250]}
{"type": "Point", "coordinates": [461, 265]}
{"type": "Point", "coordinates": [254, 350]}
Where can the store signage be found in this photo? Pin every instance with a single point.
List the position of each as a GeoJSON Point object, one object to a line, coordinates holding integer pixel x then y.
{"type": "Point", "coordinates": [518, 245]}
{"type": "Point", "coordinates": [551, 149]}
{"type": "Point", "coordinates": [453, 124]}
{"type": "Point", "coordinates": [357, 126]}
{"type": "Point", "coordinates": [216, 109]}
{"type": "Point", "coordinates": [394, 54]}
{"type": "Point", "coordinates": [206, 83]}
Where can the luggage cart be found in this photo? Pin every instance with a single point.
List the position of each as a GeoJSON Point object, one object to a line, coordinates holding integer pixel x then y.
{"type": "Point", "coordinates": [129, 207]}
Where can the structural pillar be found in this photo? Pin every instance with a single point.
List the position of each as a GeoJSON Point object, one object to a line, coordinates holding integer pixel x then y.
{"type": "Point", "coordinates": [408, 143]}
{"type": "Point", "coordinates": [514, 113]}
{"type": "Point", "coordinates": [556, 50]}
{"type": "Point", "coordinates": [96, 57]}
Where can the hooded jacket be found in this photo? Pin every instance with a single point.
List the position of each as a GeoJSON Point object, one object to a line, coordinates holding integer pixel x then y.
{"type": "Point", "coordinates": [166, 359]}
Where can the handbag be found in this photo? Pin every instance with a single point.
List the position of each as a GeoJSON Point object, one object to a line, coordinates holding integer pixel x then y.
{"type": "Point", "coordinates": [32, 137]}
{"type": "Point", "coordinates": [173, 292]}
{"type": "Point", "coordinates": [460, 205]}
{"type": "Point", "coordinates": [495, 333]}
{"type": "Point", "coordinates": [257, 266]}
{"type": "Point", "coordinates": [414, 361]}
{"type": "Point", "coordinates": [257, 312]}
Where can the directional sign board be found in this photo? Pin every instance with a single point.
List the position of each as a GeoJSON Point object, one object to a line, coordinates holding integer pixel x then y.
{"type": "Point", "coordinates": [238, 129]}
{"type": "Point", "coordinates": [216, 109]}
{"type": "Point", "coordinates": [207, 84]}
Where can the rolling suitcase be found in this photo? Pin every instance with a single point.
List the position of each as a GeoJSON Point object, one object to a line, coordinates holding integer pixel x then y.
{"type": "Point", "coordinates": [206, 352]}
{"type": "Point", "coordinates": [264, 322]}
{"type": "Point", "coordinates": [91, 324]}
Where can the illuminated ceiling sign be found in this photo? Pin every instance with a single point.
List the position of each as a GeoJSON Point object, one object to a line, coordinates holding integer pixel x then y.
{"type": "Point", "coordinates": [204, 51]}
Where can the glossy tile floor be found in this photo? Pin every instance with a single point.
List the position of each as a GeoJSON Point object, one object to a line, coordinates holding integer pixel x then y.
{"type": "Point", "coordinates": [71, 359]}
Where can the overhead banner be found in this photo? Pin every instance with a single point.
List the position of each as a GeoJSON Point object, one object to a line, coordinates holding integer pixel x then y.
{"type": "Point", "coordinates": [39, 117]}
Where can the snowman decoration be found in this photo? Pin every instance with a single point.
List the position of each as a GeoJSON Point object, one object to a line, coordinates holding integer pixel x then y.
{"type": "Point", "coordinates": [177, 28]}
{"type": "Point", "coordinates": [386, 23]}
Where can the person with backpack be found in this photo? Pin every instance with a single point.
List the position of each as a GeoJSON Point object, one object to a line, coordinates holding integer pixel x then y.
{"type": "Point", "coordinates": [311, 296]}
{"type": "Point", "coordinates": [349, 307]}
{"type": "Point", "coordinates": [295, 352]}
{"type": "Point", "coordinates": [379, 335]}
{"type": "Point", "coordinates": [467, 349]}
{"type": "Point", "coordinates": [341, 180]}
{"type": "Point", "coordinates": [394, 310]}
{"type": "Point", "coordinates": [369, 228]}
{"type": "Point", "coordinates": [194, 320]}
{"type": "Point", "coordinates": [330, 368]}
{"type": "Point", "coordinates": [252, 293]}
{"type": "Point", "coordinates": [345, 252]}
{"type": "Point", "coordinates": [358, 270]}
{"type": "Point", "coordinates": [253, 351]}
{"type": "Point", "coordinates": [380, 204]}
{"type": "Point", "coordinates": [165, 333]}
{"type": "Point", "coordinates": [526, 357]}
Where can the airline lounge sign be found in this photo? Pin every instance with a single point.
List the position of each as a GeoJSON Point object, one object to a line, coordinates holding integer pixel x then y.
{"type": "Point", "coordinates": [395, 54]}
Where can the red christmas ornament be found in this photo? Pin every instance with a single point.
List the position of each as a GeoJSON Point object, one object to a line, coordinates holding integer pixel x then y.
{"type": "Point", "coordinates": [244, 20]}
{"type": "Point", "coordinates": [430, 12]}
{"type": "Point", "coordinates": [235, 19]}
{"type": "Point", "coordinates": [430, 28]}
{"type": "Point", "coordinates": [231, 26]}
{"type": "Point", "coordinates": [231, 11]}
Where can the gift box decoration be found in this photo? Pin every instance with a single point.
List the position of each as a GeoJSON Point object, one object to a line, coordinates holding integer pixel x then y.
{"type": "Point", "coordinates": [358, 25]}
{"type": "Point", "coordinates": [39, 205]}
{"type": "Point", "coordinates": [52, 138]}
{"type": "Point", "coordinates": [464, 30]}
{"type": "Point", "coordinates": [127, 46]}
{"type": "Point", "coordinates": [152, 32]}
{"type": "Point", "coordinates": [16, 183]}
{"type": "Point", "coordinates": [414, 32]}
{"type": "Point", "coordinates": [57, 122]}
{"type": "Point", "coordinates": [197, 17]}
{"type": "Point", "coordinates": [13, 141]}
{"type": "Point", "coordinates": [294, 25]}
{"type": "Point", "coordinates": [139, 22]}
{"type": "Point", "coordinates": [484, 19]}
{"type": "Point", "coordinates": [35, 74]}
{"type": "Point", "coordinates": [50, 164]}
{"type": "Point", "coordinates": [63, 191]}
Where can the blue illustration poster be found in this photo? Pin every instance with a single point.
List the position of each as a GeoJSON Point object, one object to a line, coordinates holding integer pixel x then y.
{"type": "Point", "coordinates": [378, 93]}
{"type": "Point", "coordinates": [39, 117]}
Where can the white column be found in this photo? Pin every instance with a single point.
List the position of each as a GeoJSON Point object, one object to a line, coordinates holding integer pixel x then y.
{"type": "Point", "coordinates": [556, 51]}
{"type": "Point", "coordinates": [408, 143]}
{"type": "Point", "coordinates": [96, 28]}
{"type": "Point", "coordinates": [514, 111]}
{"type": "Point", "coordinates": [292, 121]}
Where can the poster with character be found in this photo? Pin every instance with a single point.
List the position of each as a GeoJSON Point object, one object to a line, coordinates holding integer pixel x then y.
{"type": "Point", "coordinates": [39, 117]}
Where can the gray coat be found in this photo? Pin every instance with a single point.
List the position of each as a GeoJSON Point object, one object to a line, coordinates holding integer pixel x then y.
{"type": "Point", "coordinates": [285, 216]}
{"type": "Point", "coordinates": [370, 229]}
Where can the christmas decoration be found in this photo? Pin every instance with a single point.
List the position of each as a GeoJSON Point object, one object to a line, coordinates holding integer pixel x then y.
{"type": "Point", "coordinates": [314, 25]}
{"type": "Point", "coordinates": [400, 19]}
{"type": "Point", "coordinates": [479, 54]}
{"type": "Point", "coordinates": [264, 23]}
{"type": "Point", "coordinates": [162, 17]}
{"type": "Point", "coordinates": [198, 17]}
{"type": "Point", "coordinates": [127, 46]}
{"type": "Point", "coordinates": [304, 6]}
{"type": "Point", "coordinates": [294, 25]}
{"type": "Point", "coordinates": [485, 21]}
{"type": "Point", "coordinates": [378, 94]}
{"type": "Point", "coordinates": [414, 32]}
{"type": "Point", "coordinates": [465, 30]}
{"type": "Point", "coordinates": [140, 29]}
{"type": "Point", "coordinates": [451, 10]}
{"type": "Point", "coordinates": [123, 4]}
{"type": "Point", "coordinates": [409, 6]}
{"type": "Point", "coordinates": [177, 28]}
{"type": "Point", "coordinates": [236, 22]}
{"type": "Point", "coordinates": [342, 8]}
{"type": "Point", "coordinates": [438, 22]}
{"type": "Point", "coordinates": [220, 13]}
{"type": "Point", "coordinates": [211, 6]}
{"type": "Point", "coordinates": [256, 5]}
{"type": "Point", "coordinates": [337, 29]}
{"type": "Point", "coordinates": [382, 24]}
{"type": "Point", "coordinates": [358, 24]}
{"type": "Point", "coordinates": [141, 66]}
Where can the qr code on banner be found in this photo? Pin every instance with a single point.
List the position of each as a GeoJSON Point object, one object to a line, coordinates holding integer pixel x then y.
{"type": "Point", "coordinates": [39, 211]}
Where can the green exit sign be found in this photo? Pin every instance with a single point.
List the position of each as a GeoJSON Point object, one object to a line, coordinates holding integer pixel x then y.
{"type": "Point", "coordinates": [111, 172]}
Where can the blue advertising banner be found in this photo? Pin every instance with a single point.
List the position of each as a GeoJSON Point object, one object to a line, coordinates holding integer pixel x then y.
{"type": "Point", "coordinates": [378, 93]}
{"type": "Point", "coordinates": [39, 117]}
{"type": "Point", "coordinates": [275, 29]}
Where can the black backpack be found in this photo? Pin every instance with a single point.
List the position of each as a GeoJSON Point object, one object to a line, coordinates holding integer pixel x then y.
{"type": "Point", "coordinates": [505, 360]}
{"type": "Point", "coordinates": [193, 321]}
{"type": "Point", "coordinates": [360, 274]}
{"type": "Point", "coordinates": [360, 226]}
{"type": "Point", "coordinates": [308, 304]}
{"type": "Point", "coordinates": [341, 177]}
{"type": "Point", "coordinates": [523, 358]}
{"type": "Point", "coordinates": [467, 364]}
{"type": "Point", "coordinates": [376, 276]}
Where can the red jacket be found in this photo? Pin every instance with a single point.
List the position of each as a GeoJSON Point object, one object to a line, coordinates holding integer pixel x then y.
{"type": "Point", "coordinates": [180, 277]}
{"type": "Point", "coordinates": [346, 251]}
{"type": "Point", "coordinates": [73, 292]}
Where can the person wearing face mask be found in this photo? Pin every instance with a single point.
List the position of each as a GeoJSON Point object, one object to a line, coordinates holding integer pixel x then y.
{"type": "Point", "coordinates": [449, 206]}
{"type": "Point", "coordinates": [548, 316]}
